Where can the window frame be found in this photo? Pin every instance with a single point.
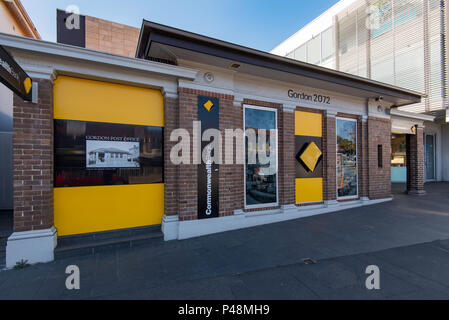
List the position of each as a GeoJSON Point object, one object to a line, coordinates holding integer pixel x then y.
{"type": "Point", "coordinates": [265, 205]}
{"type": "Point", "coordinates": [356, 153]}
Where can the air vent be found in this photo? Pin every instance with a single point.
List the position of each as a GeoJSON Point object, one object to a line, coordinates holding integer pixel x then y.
{"type": "Point", "coordinates": [162, 61]}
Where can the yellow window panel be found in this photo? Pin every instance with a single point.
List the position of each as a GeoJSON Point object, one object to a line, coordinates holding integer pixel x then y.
{"type": "Point", "coordinates": [311, 155]}
{"type": "Point", "coordinates": [95, 209]}
{"type": "Point", "coordinates": [308, 124]}
{"type": "Point", "coordinates": [309, 190]}
{"type": "Point", "coordinates": [98, 101]}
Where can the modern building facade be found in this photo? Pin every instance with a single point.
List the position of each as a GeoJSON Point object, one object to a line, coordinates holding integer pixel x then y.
{"type": "Point", "coordinates": [13, 20]}
{"type": "Point", "coordinates": [326, 134]}
{"type": "Point", "coordinates": [400, 42]}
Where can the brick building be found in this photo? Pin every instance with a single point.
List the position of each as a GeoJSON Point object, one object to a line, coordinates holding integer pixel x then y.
{"type": "Point", "coordinates": [326, 136]}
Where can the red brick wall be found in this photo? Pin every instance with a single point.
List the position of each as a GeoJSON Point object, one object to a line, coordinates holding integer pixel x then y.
{"type": "Point", "coordinates": [170, 170]}
{"type": "Point", "coordinates": [287, 166]}
{"type": "Point", "coordinates": [329, 158]}
{"type": "Point", "coordinates": [363, 159]}
{"type": "Point", "coordinates": [230, 176]}
{"type": "Point", "coordinates": [33, 161]}
{"type": "Point", "coordinates": [188, 174]}
{"type": "Point", "coordinates": [379, 179]}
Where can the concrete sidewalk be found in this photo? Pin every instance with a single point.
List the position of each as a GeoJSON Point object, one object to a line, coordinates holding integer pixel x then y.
{"type": "Point", "coordinates": [267, 262]}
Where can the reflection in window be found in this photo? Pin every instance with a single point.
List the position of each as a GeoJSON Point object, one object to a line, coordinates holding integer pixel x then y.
{"type": "Point", "coordinates": [398, 150]}
{"type": "Point", "coordinates": [347, 185]}
{"type": "Point", "coordinates": [261, 188]}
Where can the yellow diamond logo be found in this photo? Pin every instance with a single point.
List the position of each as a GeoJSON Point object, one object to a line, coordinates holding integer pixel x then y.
{"type": "Point", "coordinates": [311, 156]}
{"type": "Point", "coordinates": [208, 105]}
{"type": "Point", "coordinates": [27, 84]}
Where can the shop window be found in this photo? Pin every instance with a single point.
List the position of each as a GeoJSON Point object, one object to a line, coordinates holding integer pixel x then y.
{"type": "Point", "coordinates": [97, 154]}
{"type": "Point", "coordinates": [347, 184]}
{"type": "Point", "coordinates": [399, 158]}
{"type": "Point", "coordinates": [261, 185]}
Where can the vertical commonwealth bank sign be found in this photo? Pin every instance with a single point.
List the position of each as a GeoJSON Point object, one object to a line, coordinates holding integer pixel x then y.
{"type": "Point", "coordinates": [208, 194]}
{"type": "Point", "coordinates": [14, 77]}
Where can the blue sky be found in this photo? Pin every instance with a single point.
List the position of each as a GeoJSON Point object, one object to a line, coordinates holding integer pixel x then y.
{"type": "Point", "coordinates": [259, 24]}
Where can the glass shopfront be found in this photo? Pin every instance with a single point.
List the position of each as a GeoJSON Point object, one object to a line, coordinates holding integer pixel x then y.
{"type": "Point", "coordinates": [261, 177]}
{"type": "Point", "coordinates": [399, 158]}
{"type": "Point", "coordinates": [347, 182]}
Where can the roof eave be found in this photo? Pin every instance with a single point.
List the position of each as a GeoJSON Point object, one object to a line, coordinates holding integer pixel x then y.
{"type": "Point", "coordinates": [154, 32]}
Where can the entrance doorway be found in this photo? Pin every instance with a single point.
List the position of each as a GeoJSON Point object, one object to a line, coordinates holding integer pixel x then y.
{"type": "Point", "coordinates": [399, 158]}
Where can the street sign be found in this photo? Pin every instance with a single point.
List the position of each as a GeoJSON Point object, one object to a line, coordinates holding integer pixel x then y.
{"type": "Point", "coordinates": [14, 77]}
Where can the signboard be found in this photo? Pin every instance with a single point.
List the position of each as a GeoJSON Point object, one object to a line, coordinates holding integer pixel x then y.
{"type": "Point", "coordinates": [13, 76]}
{"type": "Point", "coordinates": [112, 153]}
{"type": "Point", "coordinates": [314, 97]}
{"type": "Point", "coordinates": [208, 194]}
{"type": "Point", "coordinates": [400, 128]}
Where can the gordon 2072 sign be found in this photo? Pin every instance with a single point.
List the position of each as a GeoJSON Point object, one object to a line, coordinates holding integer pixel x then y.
{"type": "Point", "coordinates": [13, 76]}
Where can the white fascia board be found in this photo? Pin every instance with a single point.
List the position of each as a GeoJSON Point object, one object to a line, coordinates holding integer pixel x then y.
{"type": "Point", "coordinates": [411, 115]}
{"type": "Point", "coordinates": [72, 52]}
{"type": "Point", "coordinates": [321, 23]}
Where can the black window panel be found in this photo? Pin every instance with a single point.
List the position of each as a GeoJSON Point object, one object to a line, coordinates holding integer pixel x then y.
{"type": "Point", "coordinates": [74, 167]}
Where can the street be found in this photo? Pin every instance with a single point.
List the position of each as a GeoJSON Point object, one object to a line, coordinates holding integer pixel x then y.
{"type": "Point", "coordinates": [408, 239]}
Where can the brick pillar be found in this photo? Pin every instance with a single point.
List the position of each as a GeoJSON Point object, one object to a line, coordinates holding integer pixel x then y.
{"type": "Point", "coordinates": [34, 237]}
{"type": "Point", "coordinates": [230, 175]}
{"type": "Point", "coordinates": [188, 173]}
{"type": "Point", "coordinates": [379, 177]}
{"type": "Point", "coordinates": [363, 159]}
{"type": "Point", "coordinates": [415, 163]}
{"type": "Point", "coordinates": [330, 159]}
{"type": "Point", "coordinates": [170, 170]}
{"type": "Point", "coordinates": [33, 161]}
{"type": "Point", "coordinates": [287, 158]}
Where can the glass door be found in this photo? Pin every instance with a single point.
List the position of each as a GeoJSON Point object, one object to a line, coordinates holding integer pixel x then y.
{"type": "Point", "coordinates": [430, 157]}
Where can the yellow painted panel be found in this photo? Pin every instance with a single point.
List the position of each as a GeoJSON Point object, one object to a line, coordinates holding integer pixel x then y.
{"type": "Point", "coordinates": [88, 100]}
{"type": "Point", "coordinates": [308, 124]}
{"type": "Point", "coordinates": [95, 209]}
{"type": "Point", "coordinates": [309, 190]}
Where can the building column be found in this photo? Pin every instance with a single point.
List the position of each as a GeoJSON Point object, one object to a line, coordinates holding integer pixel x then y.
{"type": "Point", "coordinates": [415, 162]}
{"type": "Point", "coordinates": [287, 158]}
{"type": "Point", "coordinates": [170, 219]}
{"type": "Point", "coordinates": [35, 236]}
{"type": "Point", "coordinates": [364, 160]}
{"type": "Point", "coordinates": [379, 169]}
{"type": "Point", "coordinates": [330, 158]}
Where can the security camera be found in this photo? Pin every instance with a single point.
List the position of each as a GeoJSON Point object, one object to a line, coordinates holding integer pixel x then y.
{"type": "Point", "coordinates": [378, 99]}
